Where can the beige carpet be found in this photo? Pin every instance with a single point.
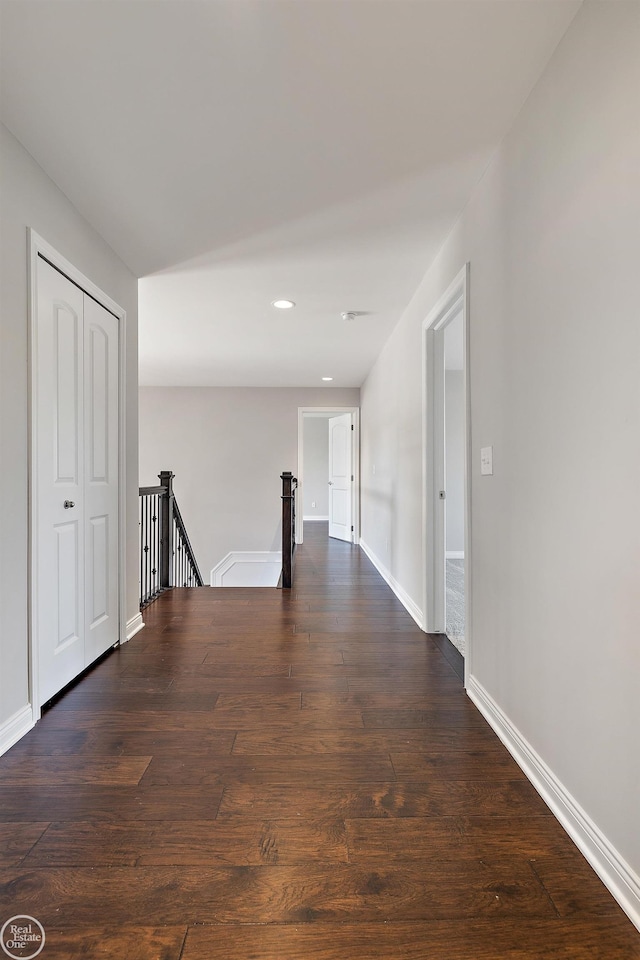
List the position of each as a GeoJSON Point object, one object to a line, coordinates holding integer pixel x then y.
{"type": "Point", "coordinates": [455, 603]}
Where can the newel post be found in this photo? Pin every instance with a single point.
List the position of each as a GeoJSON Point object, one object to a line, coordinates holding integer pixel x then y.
{"type": "Point", "coordinates": [166, 528]}
{"type": "Point", "coordinates": [287, 526]}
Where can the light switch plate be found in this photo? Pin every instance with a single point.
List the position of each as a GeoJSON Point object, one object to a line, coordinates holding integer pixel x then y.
{"type": "Point", "coordinates": [486, 461]}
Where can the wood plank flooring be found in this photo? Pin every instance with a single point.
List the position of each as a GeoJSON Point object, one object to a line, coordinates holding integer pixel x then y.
{"type": "Point", "coordinates": [264, 775]}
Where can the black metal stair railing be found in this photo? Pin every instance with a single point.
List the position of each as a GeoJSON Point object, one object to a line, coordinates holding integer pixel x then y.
{"type": "Point", "coordinates": [289, 485]}
{"type": "Point", "coordinates": [185, 568]}
{"type": "Point", "coordinates": [166, 556]}
{"type": "Point", "coordinates": [149, 544]}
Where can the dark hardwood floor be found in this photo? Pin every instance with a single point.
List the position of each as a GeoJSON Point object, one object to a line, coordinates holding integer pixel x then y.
{"type": "Point", "coordinates": [261, 775]}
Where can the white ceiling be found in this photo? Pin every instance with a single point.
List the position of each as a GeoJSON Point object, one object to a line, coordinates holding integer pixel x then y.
{"type": "Point", "coordinates": [235, 151]}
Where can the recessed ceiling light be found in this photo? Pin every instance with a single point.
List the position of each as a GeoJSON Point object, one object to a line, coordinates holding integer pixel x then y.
{"type": "Point", "coordinates": [283, 304]}
{"type": "Point", "coordinates": [327, 378]}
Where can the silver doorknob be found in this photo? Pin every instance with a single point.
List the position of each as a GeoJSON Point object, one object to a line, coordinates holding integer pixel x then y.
{"type": "Point", "coordinates": [330, 483]}
{"type": "Point", "coordinates": [68, 504]}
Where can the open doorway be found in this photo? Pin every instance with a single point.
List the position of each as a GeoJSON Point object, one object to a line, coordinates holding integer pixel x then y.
{"type": "Point", "coordinates": [446, 468]}
{"type": "Point", "coordinates": [454, 481]}
{"type": "Point", "coordinates": [328, 471]}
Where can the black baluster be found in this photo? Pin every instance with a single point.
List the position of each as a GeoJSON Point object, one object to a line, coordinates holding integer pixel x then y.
{"type": "Point", "coordinates": [145, 511]}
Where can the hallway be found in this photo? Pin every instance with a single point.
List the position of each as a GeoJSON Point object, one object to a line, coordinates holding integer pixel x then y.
{"type": "Point", "coordinates": [258, 776]}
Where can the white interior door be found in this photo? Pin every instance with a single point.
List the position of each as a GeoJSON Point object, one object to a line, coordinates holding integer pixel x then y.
{"type": "Point", "coordinates": [440, 481]}
{"type": "Point", "coordinates": [340, 477]}
{"type": "Point", "coordinates": [100, 478]}
{"type": "Point", "coordinates": [59, 373]}
{"type": "Point", "coordinates": [76, 480]}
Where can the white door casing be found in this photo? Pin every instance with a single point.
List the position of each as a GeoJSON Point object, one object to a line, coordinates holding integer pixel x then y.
{"type": "Point", "coordinates": [75, 508]}
{"type": "Point", "coordinates": [340, 477]}
{"type": "Point", "coordinates": [453, 303]}
{"type": "Point", "coordinates": [327, 413]}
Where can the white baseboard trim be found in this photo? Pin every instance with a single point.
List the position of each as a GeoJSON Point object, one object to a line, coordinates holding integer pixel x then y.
{"type": "Point", "coordinates": [455, 554]}
{"type": "Point", "coordinates": [311, 519]}
{"type": "Point", "coordinates": [15, 727]}
{"type": "Point", "coordinates": [404, 598]}
{"type": "Point", "coordinates": [134, 626]}
{"type": "Point", "coordinates": [244, 558]}
{"type": "Point", "coordinates": [616, 874]}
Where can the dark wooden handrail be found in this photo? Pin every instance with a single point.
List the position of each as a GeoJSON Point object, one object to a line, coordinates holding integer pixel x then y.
{"type": "Point", "coordinates": [166, 555]}
{"type": "Point", "coordinates": [150, 491]}
{"type": "Point", "coordinates": [185, 567]}
{"type": "Point", "coordinates": [289, 484]}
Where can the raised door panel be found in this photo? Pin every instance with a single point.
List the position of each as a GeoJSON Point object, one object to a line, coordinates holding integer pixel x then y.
{"type": "Point", "coordinates": [98, 565]}
{"type": "Point", "coordinates": [340, 434]}
{"type": "Point", "coordinates": [67, 372]}
{"type": "Point", "coordinates": [339, 500]}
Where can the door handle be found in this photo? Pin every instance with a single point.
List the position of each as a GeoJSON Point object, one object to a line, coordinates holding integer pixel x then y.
{"type": "Point", "coordinates": [68, 504]}
{"type": "Point", "coordinates": [330, 483]}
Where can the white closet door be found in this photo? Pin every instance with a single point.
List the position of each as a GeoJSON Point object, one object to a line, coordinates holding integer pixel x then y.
{"type": "Point", "coordinates": [340, 472]}
{"type": "Point", "coordinates": [100, 478]}
{"type": "Point", "coordinates": [76, 480]}
{"type": "Point", "coordinates": [59, 369]}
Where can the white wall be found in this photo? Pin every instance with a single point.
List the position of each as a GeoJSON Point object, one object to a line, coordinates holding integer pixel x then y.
{"type": "Point", "coordinates": [552, 234]}
{"type": "Point", "coordinates": [227, 447]}
{"type": "Point", "coordinates": [30, 199]}
{"type": "Point", "coordinates": [454, 447]}
{"type": "Point", "coordinates": [316, 466]}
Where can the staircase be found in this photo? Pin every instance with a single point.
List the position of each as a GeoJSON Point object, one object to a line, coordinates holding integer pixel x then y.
{"type": "Point", "coordinates": [166, 555]}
